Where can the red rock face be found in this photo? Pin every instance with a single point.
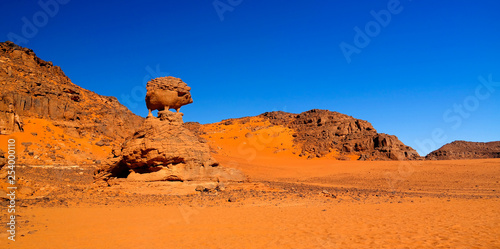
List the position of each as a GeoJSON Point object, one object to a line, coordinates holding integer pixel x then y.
{"type": "Point", "coordinates": [466, 150]}
{"type": "Point", "coordinates": [321, 131]}
{"type": "Point", "coordinates": [32, 87]}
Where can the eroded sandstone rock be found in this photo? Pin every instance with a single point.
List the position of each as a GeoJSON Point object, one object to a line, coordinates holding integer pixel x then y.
{"type": "Point", "coordinates": [167, 93]}
{"type": "Point", "coordinates": [32, 88]}
{"type": "Point", "coordinates": [162, 149]}
{"type": "Point", "coordinates": [320, 132]}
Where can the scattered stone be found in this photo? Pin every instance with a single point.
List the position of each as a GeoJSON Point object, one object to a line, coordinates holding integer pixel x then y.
{"type": "Point", "coordinates": [221, 186]}
{"type": "Point", "coordinates": [26, 144]}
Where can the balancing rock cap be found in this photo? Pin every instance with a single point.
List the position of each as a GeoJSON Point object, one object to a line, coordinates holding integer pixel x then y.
{"type": "Point", "coordinates": [166, 93]}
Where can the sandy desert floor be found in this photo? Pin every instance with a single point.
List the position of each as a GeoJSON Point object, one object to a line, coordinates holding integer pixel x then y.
{"type": "Point", "coordinates": [293, 203]}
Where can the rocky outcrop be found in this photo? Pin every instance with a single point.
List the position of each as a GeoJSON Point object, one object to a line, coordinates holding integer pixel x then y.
{"type": "Point", "coordinates": [3, 161]}
{"type": "Point", "coordinates": [164, 150]}
{"type": "Point", "coordinates": [34, 88]}
{"type": "Point", "coordinates": [67, 124]}
{"type": "Point", "coordinates": [320, 132]}
{"type": "Point", "coordinates": [466, 150]}
{"type": "Point", "coordinates": [167, 93]}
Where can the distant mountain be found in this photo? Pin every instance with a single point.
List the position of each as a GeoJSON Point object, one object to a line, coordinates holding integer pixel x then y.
{"type": "Point", "coordinates": [311, 134]}
{"type": "Point", "coordinates": [56, 114]}
{"type": "Point", "coordinates": [466, 150]}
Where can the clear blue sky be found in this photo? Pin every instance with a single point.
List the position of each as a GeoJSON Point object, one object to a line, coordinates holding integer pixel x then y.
{"type": "Point", "coordinates": [286, 55]}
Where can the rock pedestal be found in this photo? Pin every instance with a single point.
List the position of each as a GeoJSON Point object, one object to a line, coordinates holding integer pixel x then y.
{"type": "Point", "coordinates": [163, 150]}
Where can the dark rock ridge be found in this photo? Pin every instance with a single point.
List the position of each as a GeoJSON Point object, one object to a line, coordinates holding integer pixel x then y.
{"type": "Point", "coordinates": [34, 88]}
{"type": "Point", "coordinates": [320, 132]}
{"type": "Point", "coordinates": [466, 150]}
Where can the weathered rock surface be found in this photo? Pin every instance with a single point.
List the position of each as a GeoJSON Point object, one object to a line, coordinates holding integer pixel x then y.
{"type": "Point", "coordinates": [163, 150]}
{"type": "Point", "coordinates": [3, 161]}
{"type": "Point", "coordinates": [466, 150]}
{"type": "Point", "coordinates": [166, 93]}
{"type": "Point", "coordinates": [34, 88]}
{"type": "Point", "coordinates": [320, 132]}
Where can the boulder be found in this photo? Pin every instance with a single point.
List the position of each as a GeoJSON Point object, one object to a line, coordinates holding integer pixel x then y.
{"type": "Point", "coordinates": [167, 93]}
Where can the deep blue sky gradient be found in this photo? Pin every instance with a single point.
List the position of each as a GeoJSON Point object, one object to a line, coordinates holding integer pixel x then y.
{"type": "Point", "coordinates": [285, 55]}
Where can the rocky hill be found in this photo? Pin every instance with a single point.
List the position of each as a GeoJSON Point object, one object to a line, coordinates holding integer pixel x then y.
{"type": "Point", "coordinates": [466, 150]}
{"type": "Point", "coordinates": [54, 119]}
{"type": "Point", "coordinates": [311, 134]}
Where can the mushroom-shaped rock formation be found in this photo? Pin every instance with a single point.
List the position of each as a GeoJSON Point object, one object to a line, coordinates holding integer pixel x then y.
{"type": "Point", "coordinates": [162, 149]}
{"type": "Point", "coordinates": [167, 93]}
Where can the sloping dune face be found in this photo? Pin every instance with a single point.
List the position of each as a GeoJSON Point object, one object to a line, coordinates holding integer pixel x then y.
{"type": "Point", "coordinates": [250, 138]}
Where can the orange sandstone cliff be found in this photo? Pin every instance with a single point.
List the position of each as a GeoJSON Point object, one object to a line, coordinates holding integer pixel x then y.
{"type": "Point", "coordinates": [53, 120]}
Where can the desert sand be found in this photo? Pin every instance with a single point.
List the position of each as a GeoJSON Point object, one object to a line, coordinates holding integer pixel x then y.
{"type": "Point", "coordinates": [322, 196]}
{"type": "Point", "coordinates": [295, 203]}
